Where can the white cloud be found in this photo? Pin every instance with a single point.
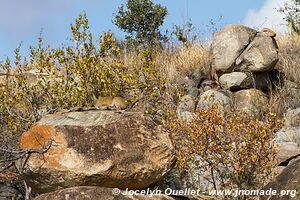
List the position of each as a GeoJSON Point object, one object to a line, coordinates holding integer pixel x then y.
{"type": "Point", "coordinates": [267, 16]}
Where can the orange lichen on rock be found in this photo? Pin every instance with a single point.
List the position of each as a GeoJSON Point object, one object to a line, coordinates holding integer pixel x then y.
{"type": "Point", "coordinates": [37, 137]}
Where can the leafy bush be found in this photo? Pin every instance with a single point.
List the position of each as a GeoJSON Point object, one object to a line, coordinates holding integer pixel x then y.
{"type": "Point", "coordinates": [141, 19]}
{"type": "Point", "coordinates": [236, 151]}
{"type": "Point", "coordinates": [54, 79]}
{"type": "Point", "coordinates": [291, 11]}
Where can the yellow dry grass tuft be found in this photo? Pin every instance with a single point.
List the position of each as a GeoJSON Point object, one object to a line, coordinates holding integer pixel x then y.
{"type": "Point", "coordinates": [289, 51]}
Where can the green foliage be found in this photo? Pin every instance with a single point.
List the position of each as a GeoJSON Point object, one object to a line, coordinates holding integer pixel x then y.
{"type": "Point", "coordinates": [292, 15]}
{"type": "Point", "coordinates": [54, 79]}
{"type": "Point", "coordinates": [141, 19]}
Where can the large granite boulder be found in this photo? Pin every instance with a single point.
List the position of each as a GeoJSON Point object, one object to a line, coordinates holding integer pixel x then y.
{"type": "Point", "coordinates": [260, 56]}
{"type": "Point", "coordinates": [97, 148]}
{"type": "Point", "coordinates": [239, 48]}
{"type": "Point", "coordinates": [100, 193]}
{"type": "Point", "coordinates": [221, 99]}
{"type": "Point", "coordinates": [251, 101]}
{"type": "Point", "coordinates": [228, 44]}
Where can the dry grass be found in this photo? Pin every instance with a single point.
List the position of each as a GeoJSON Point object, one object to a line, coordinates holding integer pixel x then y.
{"type": "Point", "coordinates": [184, 61]}
{"type": "Point", "coordinates": [289, 64]}
{"type": "Point", "coordinates": [176, 62]}
{"type": "Point", "coordinates": [287, 96]}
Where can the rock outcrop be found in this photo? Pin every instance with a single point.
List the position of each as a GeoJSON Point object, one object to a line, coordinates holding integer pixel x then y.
{"type": "Point", "coordinates": [97, 148]}
{"type": "Point", "coordinates": [228, 44]}
{"type": "Point", "coordinates": [239, 48]}
{"type": "Point", "coordinates": [244, 58]}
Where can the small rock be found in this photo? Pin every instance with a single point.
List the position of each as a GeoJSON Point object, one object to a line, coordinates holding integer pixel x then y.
{"type": "Point", "coordinates": [267, 32]}
{"type": "Point", "coordinates": [235, 80]}
{"type": "Point", "coordinates": [194, 92]}
{"type": "Point", "coordinates": [244, 80]}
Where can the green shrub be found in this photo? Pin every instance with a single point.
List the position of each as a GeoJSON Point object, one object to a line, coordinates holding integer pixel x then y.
{"type": "Point", "coordinates": [141, 19]}
{"type": "Point", "coordinates": [54, 79]}
{"type": "Point", "coordinates": [291, 11]}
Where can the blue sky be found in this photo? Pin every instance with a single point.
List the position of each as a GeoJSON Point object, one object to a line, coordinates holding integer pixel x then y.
{"type": "Point", "coordinates": [21, 21]}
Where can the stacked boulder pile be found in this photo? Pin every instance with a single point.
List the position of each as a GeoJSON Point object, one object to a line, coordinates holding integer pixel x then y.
{"type": "Point", "coordinates": [242, 69]}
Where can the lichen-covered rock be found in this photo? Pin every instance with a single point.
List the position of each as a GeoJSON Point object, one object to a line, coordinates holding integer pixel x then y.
{"type": "Point", "coordinates": [260, 56]}
{"type": "Point", "coordinates": [228, 44]}
{"type": "Point", "coordinates": [251, 101]}
{"type": "Point", "coordinates": [97, 148]}
{"type": "Point", "coordinates": [220, 99]}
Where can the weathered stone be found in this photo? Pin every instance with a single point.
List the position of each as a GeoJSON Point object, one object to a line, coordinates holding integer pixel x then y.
{"type": "Point", "coordinates": [99, 193]}
{"type": "Point", "coordinates": [209, 84]}
{"type": "Point", "coordinates": [216, 98]}
{"type": "Point", "coordinates": [103, 148]}
{"type": "Point", "coordinates": [251, 101]}
{"type": "Point", "coordinates": [185, 116]}
{"type": "Point", "coordinates": [260, 56]}
{"type": "Point", "coordinates": [292, 118]}
{"type": "Point", "coordinates": [194, 92]}
{"type": "Point", "coordinates": [288, 144]}
{"type": "Point", "coordinates": [235, 81]}
{"type": "Point", "coordinates": [267, 32]}
{"type": "Point", "coordinates": [289, 179]}
{"type": "Point", "coordinates": [245, 80]}
{"type": "Point", "coordinates": [228, 44]}
{"type": "Point", "coordinates": [288, 138]}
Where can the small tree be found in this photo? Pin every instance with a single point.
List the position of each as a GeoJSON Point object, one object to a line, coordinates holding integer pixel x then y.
{"type": "Point", "coordinates": [292, 15]}
{"type": "Point", "coordinates": [141, 19]}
